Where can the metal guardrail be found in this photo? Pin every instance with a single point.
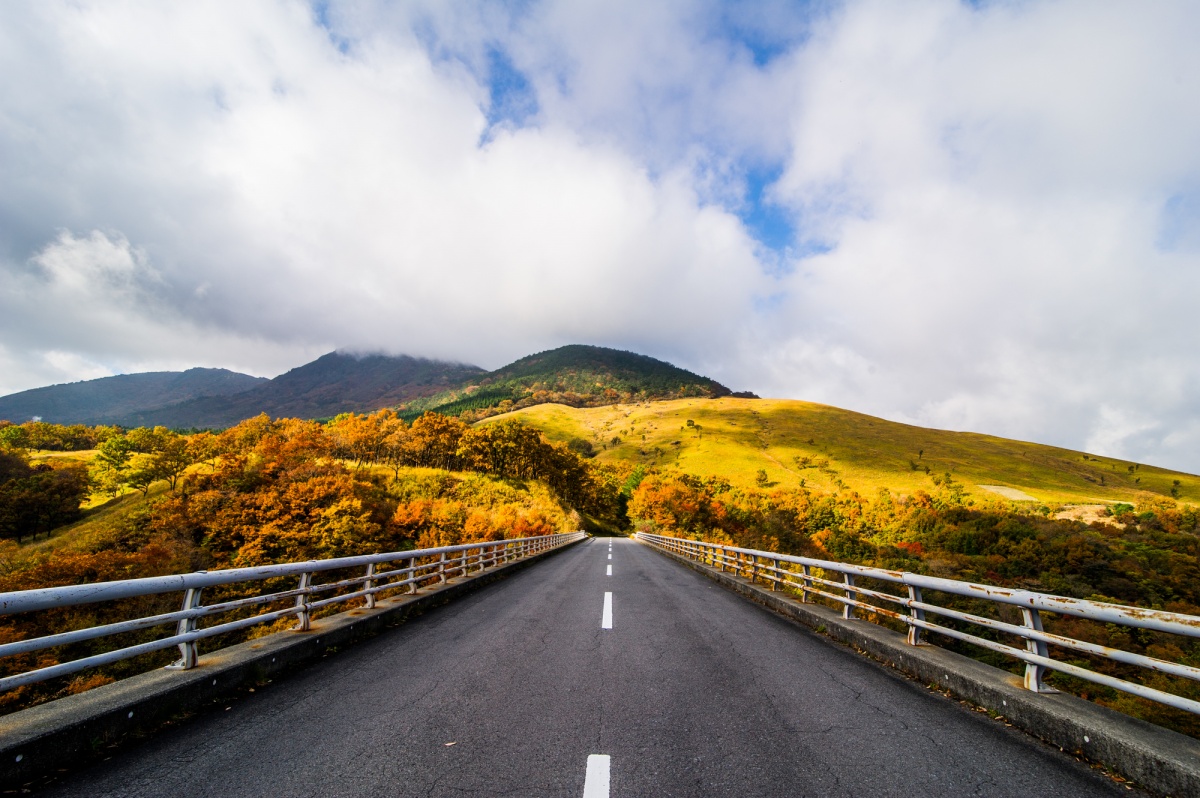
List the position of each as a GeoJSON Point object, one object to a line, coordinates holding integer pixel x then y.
{"type": "Point", "coordinates": [798, 573]}
{"type": "Point", "coordinates": [383, 572]}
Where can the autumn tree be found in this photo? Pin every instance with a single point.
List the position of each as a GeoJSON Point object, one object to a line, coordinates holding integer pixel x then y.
{"type": "Point", "coordinates": [364, 439]}
{"type": "Point", "coordinates": [171, 458]}
{"type": "Point", "coordinates": [203, 447]}
{"type": "Point", "coordinates": [110, 464]}
{"type": "Point", "coordinates": [395, 445]}
{"type": "Point", "coordinates": [36, 499]}
{"type": "Point", "coordinates": [433, 442]}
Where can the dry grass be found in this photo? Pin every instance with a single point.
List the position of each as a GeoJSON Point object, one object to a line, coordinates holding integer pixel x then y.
{"type": "Point", "coordinates": [735, 438]}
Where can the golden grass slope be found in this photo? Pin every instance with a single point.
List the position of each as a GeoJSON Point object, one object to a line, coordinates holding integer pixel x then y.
{"type": "Point", "coordinates": [828, 447]}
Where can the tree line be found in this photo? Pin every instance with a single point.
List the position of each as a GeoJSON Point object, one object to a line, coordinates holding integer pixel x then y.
{"type": "Point", "coordinates": [269, 491]}
{"type": "Point", "coordinates": [35, 499]}
{"type": "Point", "coordinates": [1148, 558]}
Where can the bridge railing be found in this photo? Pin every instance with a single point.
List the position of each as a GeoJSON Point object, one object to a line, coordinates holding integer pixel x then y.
{"type": "Point", "coordinates": [811, 578]}
{"type": "Point", "coordinates": [380, 573]}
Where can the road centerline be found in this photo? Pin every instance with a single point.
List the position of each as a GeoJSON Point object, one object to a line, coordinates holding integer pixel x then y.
{"type": "Point", "coordinates": [595, 783]}
{"type": "Point", "coordinates": [606, 616]}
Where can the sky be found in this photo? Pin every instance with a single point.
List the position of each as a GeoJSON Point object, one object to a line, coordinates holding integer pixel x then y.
{"type": "Point", "coordinates": [974, 216]}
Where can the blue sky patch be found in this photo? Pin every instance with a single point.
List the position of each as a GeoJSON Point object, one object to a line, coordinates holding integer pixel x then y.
{"type": "Point", "coordinates": [764, 31]}
{"type": "Point", "coordinates": [511, 95]}
{"type": "Point", "coordinates": [771, 224]}
{"type": "Point", "coordinates": [1179, 228]}
{"type": "Point", "coordinates": [321, 15]}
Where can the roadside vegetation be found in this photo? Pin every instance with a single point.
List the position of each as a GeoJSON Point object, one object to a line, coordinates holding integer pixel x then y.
{"type": "Point", "coordinates": [790, 477]}
{"type": "Point", "coordinates": [1148, 559]}
{"type": "Point", "coordinates": [812, 480]}
{"type": "Point", "coordinates": [274, 491]}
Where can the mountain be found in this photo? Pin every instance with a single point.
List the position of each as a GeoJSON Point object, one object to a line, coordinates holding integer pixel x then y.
{"type": "Point", "coordinates": [577, 375]}
{"type": "Point", "coordinates": [588, 370]}
{"type": "Point", "coordinates": [105, 400]}
{"type": "Point", "coordinates": [825, 448]}
{"type": "Point", "coordinates": [340, 382]}
{"type": "Point", "coordinates": [331, 384]}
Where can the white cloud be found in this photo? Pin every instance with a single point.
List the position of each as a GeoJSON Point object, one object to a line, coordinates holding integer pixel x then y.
{"type": "Point", "coordinates": [994, 184]}
{"type": "Point", "coordinates": [1007, 194]}
{"type": "Point", "coordinates": [287, 192]}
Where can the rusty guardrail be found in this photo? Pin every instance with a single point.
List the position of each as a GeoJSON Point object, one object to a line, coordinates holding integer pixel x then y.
{"type": "Point", "coordinates": [404, 569]}
{"type": "Point", "coordinates": [788, 571]}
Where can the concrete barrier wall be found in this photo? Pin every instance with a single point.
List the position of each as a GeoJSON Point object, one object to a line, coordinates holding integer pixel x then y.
{"type": "Point", "coordinates": [1157, 759]}
{"type": "Point", "coordinates": [71, 731]}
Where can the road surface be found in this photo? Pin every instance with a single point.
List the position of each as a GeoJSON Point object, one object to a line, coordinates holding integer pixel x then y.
{"type": "Point", "coordinates": [520, 690]}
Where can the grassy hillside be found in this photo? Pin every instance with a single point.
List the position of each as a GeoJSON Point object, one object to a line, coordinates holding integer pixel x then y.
{"type": "Point", "coordinates": [824, 446]}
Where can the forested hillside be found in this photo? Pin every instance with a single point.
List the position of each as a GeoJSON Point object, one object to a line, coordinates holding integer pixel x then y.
{"type": "Point", "coordinates": [271, 491]}
{"type": "Point", "coordinates": [576, 375]}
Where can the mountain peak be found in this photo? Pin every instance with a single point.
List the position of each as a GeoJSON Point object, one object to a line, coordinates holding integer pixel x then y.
{"type": "Point", "coordinates": [360, 381]}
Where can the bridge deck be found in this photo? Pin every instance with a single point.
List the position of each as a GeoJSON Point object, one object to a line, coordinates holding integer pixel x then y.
{"type": "Point", "coordinates": [692, 692]}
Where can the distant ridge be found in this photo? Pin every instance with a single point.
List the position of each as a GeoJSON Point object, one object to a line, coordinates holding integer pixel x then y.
{"type": "Point", "coordinates": [341, 382]}
{"type": "Point", "coordinates": [108, 399]}
{"type": "Point", "coordinates": [331, 384]}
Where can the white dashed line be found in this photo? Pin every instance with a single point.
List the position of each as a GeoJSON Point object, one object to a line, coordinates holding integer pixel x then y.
{"type": "Point", "coordinates": [610, 555]}
{"type": "Point", "coordinates": [609, 571]}
{"type": "Point", "coordinates": [606, 617]}
{"type": "Point", "coordinates": [595, 784]}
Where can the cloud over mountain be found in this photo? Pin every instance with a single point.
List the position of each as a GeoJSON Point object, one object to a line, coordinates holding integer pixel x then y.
{"type": "Point", "coordinates": [974, 216]}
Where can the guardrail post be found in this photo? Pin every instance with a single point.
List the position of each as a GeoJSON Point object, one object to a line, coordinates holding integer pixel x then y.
{"type": "Point", "coordinates": [914, 632]}
{"type": "Point", "coordinates": [1035, 674]}
{"type": "Point", "coordinates": [442, 568]}
{"type": "Point", "coordinates": [807, 580]}
{"type": "Point", "coordinates": [775, 574]}
{"type": "Point", "coordinates": [187, 651]}
{"type": "Point", "coordinates": [370, 585]}
{"type": "Point", "coordinates": [412, 574]}
{"type": "Point", "coordinates": [303, 621]}
{"type": "Point", "coordinates": [464, 563]}
{"type": "Point", "coordinates": [852, 595]}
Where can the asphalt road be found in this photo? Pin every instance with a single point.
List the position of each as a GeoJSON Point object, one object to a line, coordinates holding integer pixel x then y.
{"type": "Point", "coordinates": [692, 692]}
